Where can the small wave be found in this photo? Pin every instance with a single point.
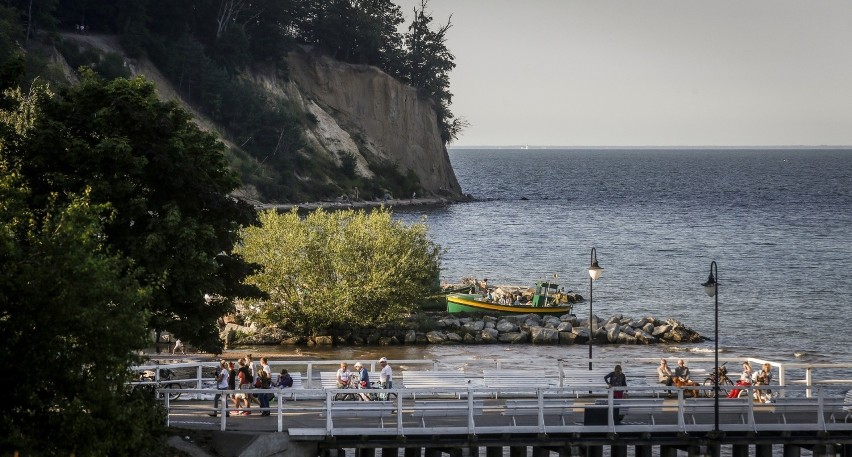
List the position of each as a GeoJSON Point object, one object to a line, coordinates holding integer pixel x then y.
{"type": "Point", "coordinates": [693, 350]}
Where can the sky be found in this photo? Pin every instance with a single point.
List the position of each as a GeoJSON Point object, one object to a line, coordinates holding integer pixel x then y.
{"type": "Point", "coordinates": [649, 72]}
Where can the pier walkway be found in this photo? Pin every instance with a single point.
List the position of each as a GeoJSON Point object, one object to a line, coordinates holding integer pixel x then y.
{"type": "Point", "coordinates": [571, 419]}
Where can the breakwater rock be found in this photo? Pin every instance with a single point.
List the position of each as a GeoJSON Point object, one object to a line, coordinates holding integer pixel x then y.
{"type": "Point", "coordinates": [444, 328]}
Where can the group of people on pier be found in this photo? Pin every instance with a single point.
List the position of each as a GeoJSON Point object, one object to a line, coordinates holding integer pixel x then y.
{"type": "Point", "coordinates": [360, 377]}
{"type": "Point", "coordinates": [680, 377]}
{"type": "Point", "coordinates": [244, 376]}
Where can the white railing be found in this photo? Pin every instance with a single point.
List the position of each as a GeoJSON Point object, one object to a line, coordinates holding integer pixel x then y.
{"type": "Point", "coordinates": [536, 410]}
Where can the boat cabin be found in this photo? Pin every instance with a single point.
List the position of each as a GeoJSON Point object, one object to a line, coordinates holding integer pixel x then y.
{"type": "Point", "coordinates": [543, 294]}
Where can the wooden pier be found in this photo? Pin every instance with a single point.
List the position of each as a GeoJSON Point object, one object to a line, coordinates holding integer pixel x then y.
{"type": "Point", "coordinates": [519, 421]}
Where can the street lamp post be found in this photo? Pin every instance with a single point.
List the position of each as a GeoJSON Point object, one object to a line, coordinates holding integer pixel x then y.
{"type": "Point", "coordinates": [711, 287]}
{"type": "Point", "coordinates": [594, 273]}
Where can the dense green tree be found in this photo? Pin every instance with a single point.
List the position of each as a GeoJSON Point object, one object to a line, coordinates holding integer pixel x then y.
{"type": "Point", "coordinates": [427, 66]}
{"type": "Point", "coordinates": [166, 181]}
{"type": "Point", "coordinates": [69, 312]}
{"type": "Point", "coordinates": [334, 270]}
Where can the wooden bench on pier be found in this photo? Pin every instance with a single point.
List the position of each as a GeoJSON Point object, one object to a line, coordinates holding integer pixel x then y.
{"type": "Point", "coordinates": [523, 380]}
{"type": "Point", "coordinates": [453, 380]}
{"type": "Point", "coordinates": [695, 408]}
{"type": "Point", "coordinates": [562, 408]}
{"type": "Point", "coordinates": [291, 391]}
{"type": "Point", "coordinates": [445, 408]}
{"type": "Point", "coordinates": [582, 380]}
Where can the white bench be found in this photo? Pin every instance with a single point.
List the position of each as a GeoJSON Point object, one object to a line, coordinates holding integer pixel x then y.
{"type": "Point", "coordinates": [637, 411]}
{"type": "Point", "coordinates": [695, 407]}
{"type": "Point", "coordinates": [563, 408]}
{"type": "Point", "coordinates": [445, 408]}
{"type": "Point", "coordinates": [583, 380]}
{"type": "Point", "coordinates": [847, 406]}
{"type": "Point", "coordinates": [505, 380]}
{"type": "Point", "coordinates": [297, 384]}
{"type": "Point", "coordinates": [435, 379]}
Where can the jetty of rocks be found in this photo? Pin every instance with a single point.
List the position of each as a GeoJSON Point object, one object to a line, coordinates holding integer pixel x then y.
{"type": "Point", "coordinates": [444, 328]}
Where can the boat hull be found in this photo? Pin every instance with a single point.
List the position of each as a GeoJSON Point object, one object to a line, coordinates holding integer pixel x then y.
{"type": "Point", "coordinates": [461, 303]}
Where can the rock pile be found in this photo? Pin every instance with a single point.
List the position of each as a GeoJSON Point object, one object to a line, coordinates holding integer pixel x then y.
{"type": "Point", "coordinates": [443, 328]}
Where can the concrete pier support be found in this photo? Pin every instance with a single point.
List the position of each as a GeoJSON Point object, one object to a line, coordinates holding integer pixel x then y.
{"type": "Point", "coordinates": [824, 450]}
{"type": "Point", "coordinates": [668, 451]}
{"type": "Point", "coordinates": [594, 451]}
{"type": "Point", "coordinates": [644, 451]}
{"type": "Point", "coordinates": [617, 450]}
{"type": "Point", "coordinates": [739, 450]}
{"type": "Point", "coordinates": [366, 452]}
{"type": "Point", "coordinates": [540, 452]}
{"type": "Point", "coordinates": [703, 450]}
{"type": "Point", "coordinates": [414, 452]}
{"type": "Point", "coordinates": [571, 451]}
{"type": "Point", "coordinates": [792, 450]}
{"type": "Point", "coordinates": [763, 450]}
{"type": "Point", "coordinates": [517, 451]}
{"type": "Point", "coordinates": [493, 451]}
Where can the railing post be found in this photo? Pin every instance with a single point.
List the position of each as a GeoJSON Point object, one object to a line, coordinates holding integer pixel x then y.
{"type": "Point", "coordinates": [471, 425]}
{"type": "Point", "coordinates": [540, 395]}
{"type": "Point", "coordinates": [329, 425]}
{"type": "Point", "coordinates": [280, 399]}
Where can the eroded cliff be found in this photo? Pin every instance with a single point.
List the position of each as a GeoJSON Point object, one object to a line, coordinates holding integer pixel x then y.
{"type": "Point", "coordinates": [357, 112]}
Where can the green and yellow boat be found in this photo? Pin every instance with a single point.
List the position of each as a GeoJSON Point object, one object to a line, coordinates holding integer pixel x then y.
{"type": "Point", "coordinates": [546, 301]}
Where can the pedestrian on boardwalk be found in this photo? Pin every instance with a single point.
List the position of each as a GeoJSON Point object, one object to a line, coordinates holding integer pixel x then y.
{"type": "Point", "coordinates": [245, 377]}
{"type": "Point", "coordinates": [616, 379]}
{"type": "Point", "coordinates": [179, 346]}
{"type": "Point", "coordinates": [263, 381]}
{"type": "Point", "coordinates": [386, 374]}
{"type": "Point", "coordinates": [222, 380]}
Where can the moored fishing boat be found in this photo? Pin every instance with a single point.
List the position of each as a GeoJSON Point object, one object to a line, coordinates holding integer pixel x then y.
{"type": "Point", "coordinates": [546, 300]}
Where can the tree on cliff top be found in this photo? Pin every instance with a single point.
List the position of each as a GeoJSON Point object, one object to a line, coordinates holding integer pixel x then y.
{"type": "Point", "coordinates": [427, 66]}
{"type": "Point", "coordinates": [335, 270]}
{"type": "Point", "coordinates": [167, 184]}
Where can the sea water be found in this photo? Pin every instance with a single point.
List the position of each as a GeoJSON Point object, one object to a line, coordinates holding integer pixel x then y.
{"type": "Point", "coordinates": [777, 222]}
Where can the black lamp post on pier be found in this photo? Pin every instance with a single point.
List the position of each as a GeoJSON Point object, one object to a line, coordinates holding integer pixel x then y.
{"type": "Point", "coordinates": [711, 287]}
{"type": "Point", "coordinates": [594, 273]}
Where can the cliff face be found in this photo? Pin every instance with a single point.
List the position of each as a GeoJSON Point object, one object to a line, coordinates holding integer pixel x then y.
{"type": "Point", "coordinates": [389, 119]}
{"type": "Point", "coordinates": [359, 112]}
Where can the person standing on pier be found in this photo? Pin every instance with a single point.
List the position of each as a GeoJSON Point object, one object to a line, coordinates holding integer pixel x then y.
{"type": "Point", "coordinates": [616, 379]}
{"type": "Point", "coordinates": [221, 384]}
{"type": "Point", "coordinates": [386, 374]}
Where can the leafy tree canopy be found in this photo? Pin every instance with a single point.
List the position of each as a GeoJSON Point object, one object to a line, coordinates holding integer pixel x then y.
{"type": "Point", "coordinates": [166, 183]}
{"type": "Point", "coordinates": [334, 270]}
{"type": "Point", "coordinates": [69, 306]}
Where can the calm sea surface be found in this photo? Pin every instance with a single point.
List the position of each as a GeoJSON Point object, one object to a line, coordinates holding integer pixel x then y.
{"type": "Point", "coordinates": [777, 222]}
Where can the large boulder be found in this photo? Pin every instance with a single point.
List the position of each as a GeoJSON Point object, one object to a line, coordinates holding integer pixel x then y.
{"type": "Point", "coordinates": [514, 337]}
{"type": "Point", "coordinates": [544, 335]}
{"type": "Point", "coordinates": [490, 335]}
{"type": "Point", "coordinates": [436, 337]}
{"type": "Point", "coordinates": [506, 326]}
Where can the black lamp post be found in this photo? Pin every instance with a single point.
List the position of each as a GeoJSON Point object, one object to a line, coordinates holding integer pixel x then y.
{"type": "Point", "coordinates": [594, 273]}
{"type": "Point", "coordinates": [711, 287]}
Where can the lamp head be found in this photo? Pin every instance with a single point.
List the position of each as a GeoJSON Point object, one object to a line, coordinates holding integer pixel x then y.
{"type": "Point", "coordinates": [595, 270]}
{"type": "Point", "coordinates": [710, 286]}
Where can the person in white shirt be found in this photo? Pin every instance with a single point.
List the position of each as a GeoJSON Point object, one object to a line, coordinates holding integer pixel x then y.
{"type": "Point", "coordinates": [221, 384]}
{"type": "Point", "coordinates": [343, 375]}
{"type": "Point", "coordinates": [386, 374]}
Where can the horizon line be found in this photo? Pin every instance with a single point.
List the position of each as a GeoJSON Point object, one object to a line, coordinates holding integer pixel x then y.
{"type": "Point", "coordinates": [525, 146]}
